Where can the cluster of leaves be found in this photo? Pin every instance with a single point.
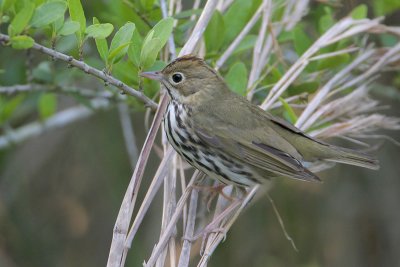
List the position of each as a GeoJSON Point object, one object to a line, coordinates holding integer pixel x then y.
{"type": "Point", "coordinates": [60, 19]}
{"type": "Point", "coordinates": [27, 15]}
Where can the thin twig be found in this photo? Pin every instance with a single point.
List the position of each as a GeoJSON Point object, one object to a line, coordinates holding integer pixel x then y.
{"type": "Point", "coordinates": [259, 47]}
{"type": "Point", "coordinates": [281, 223]}
{"type": "Point", "coordinates": [129, 135]}
{"type": "Point", "coordinates": [34, 87]}
{"type": "Point", "coordinates": [169, 203]}
{"type": "Point", "coordinates": [220, 236]}
{"type": "Point", "coordinates": [58, 120]}
{"type": "Point", "coordinates": [153, 188]}
{"type": "Point", "coordinates": [183, 187]}
{"type": "Point", "coordinates": [90, 70]}
{"type": "Point", "coordinates": [169, 229]}
{"type": "Point", "coordinates": [187, 244]}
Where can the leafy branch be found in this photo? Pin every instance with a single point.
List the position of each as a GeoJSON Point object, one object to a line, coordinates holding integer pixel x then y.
{"type": "Point", "coordinates": [4, 39]}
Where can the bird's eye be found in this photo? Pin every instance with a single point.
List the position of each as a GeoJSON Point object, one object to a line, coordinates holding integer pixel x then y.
{"type": "Point", "coordinates": [177, 77]}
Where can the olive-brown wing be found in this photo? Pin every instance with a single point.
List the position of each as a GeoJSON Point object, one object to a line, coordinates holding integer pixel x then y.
{"type": "Point", "coordinates": [257, 154]}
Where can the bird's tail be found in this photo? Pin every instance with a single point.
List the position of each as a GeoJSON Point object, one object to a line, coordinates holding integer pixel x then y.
{"type": "Point", "coordinates": [353, 157]}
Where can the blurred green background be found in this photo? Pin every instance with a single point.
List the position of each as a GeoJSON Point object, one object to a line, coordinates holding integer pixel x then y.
{"type": "Point", "coordinates": [60, 192]}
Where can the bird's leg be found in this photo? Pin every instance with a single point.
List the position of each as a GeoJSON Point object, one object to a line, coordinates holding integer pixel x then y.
{"type": "Point", "coordinates": [216, 225]}
{"type": "Point", "coordinates": [205, 232]}
{"type": "Point", "coordinates": [214, 191]}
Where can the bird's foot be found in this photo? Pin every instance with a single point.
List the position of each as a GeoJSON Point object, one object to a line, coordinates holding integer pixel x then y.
{"type": "Point", "coordinates": [205, 232]}
{"type": "Point", "coordinates": [214, 191]}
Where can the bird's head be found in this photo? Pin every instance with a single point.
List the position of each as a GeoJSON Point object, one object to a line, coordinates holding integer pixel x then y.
{"type": "Point", "coordinates": [188, 76]}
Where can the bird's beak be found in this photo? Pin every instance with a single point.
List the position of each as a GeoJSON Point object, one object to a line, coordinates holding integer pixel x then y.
{"type": "Point", "coordinates": [153, 75]}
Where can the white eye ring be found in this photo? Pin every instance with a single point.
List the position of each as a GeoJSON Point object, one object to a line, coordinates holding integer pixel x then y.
{"type": "Point", "coordinates": [177, 77]}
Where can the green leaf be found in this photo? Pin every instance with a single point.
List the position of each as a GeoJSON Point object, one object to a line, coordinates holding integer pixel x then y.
{"type": "Point", "coordinates": [388, 39]}
{"type": "Point", "coordinates": [188, 13]}
{"type": "Point", "coordinates": [77, 14]}
{"type": "Point", "coordinates": [307, 87]}
{"type": "Point", "coordinates": [274, 76]}
{"type": "Point", "coordinates": [326, 21]}
{"type": "Point", "coordinates": [162, 31]}
{"type": "Point", "coordinates": [39, 2]}
{"type": "Point", "coordinates": [82, 100]}
{"type": "Point", "coordinates": [236, 18]}
{"type": "Point", "coordinates": [158, 65]}
{"type": "Point", "coordinates": [147, 4]}
{"type": "Point", "coordinates": [101, 44]}
{"type": "Point", "coordinates": [5, 19]}
{"type": "Point", "coordinates": [248, 42]}
{"type": "Point", "coordinates": [120, 42]}
{"type": "Point", "coordinates": [69, 28]}
{"type": "Point", "coordinates": [8, 107]}
{"type": "Point", "coordinates": [135, 48]}
{"type": "Point", "coordinates": [21, 42]}
{"type": "Point", "coordinates": [289, 111]}
{"type": "Point", "coordinates": [285, 36]}
{"type": "Point", "coordinates": [154, 41]}
{"type": "Point", "coordinates": [359, 12]}
{"type": "Point", "coordinates": [115, 55]}
{"type": "Point", "coordinates": [384, 7]}
{"type": "Point", "coordinates": [124, 71]}
{"type": "Point", "coordinates": [333, 62]}
{"type": "Point", "coordinates": [43, 73]}
{"type": "Point", "coordinates": [301, 41]}
{"type": "Point", "coordinates": [102, 48]}
{"type": "Point", "coordinates": [58, 24]}
{"type": "Point", "coordinates": [99, 31]}
{"type": "Point", "coordinates": [47, 105]}
{"type": "Point", "coordinates": [21, 19]}
{"type": "Point", "coordinates": [237, 78]}
{"type": "Point", "coordinates": [48, 13]}
{"type": "Point", "coordinates": [149, 53]}
{"type": "Point", "coordinates": [214, 33]}
{"type": "Point", "coordinates": [123, 35]}
{"type": "Point", "coordinates": [6, 5]}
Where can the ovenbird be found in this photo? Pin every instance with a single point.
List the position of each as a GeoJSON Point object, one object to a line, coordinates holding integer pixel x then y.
{"type": "Point", "coordinates": [231, 139]}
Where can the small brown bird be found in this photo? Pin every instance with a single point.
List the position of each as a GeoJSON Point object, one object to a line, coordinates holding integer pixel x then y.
{"type": "Point", "coordinates": [231, 139]}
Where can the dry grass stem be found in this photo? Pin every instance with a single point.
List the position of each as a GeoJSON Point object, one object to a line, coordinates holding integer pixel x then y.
{"type": "Point", "coordinates": [216, 238]}
{"type": "Point", "coordinates": [262, 44]}
{"type": "Point", "coordinates": [118, 251]}
{"type": "Point", "coordinates": [281, 223]}
{"type": "Point", "coordinates": [189, 230]}
{"type": "Point", "coordinates": [170, 226]}
{"type": "Point", "coordinates": [336, 33]}
{"type": "Point", "coordinates": [151, 192]}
